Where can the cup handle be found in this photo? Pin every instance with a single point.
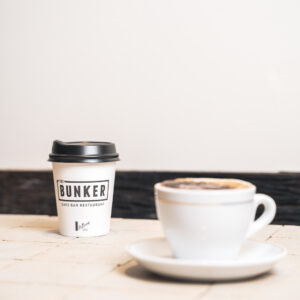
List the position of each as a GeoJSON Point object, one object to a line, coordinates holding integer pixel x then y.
{"type": "Point", "coordinates": [266, 217]}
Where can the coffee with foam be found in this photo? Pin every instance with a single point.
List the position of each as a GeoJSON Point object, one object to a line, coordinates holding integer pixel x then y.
{"type": "Point", "coordinates": [205, 184]}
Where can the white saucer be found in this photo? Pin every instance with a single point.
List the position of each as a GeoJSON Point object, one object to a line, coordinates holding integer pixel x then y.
{"type": "Point", "coordinates": [255, 258]}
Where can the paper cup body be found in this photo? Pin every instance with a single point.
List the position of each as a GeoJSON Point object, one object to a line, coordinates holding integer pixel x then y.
{"type": "Point", "coordinates": [84, 196]}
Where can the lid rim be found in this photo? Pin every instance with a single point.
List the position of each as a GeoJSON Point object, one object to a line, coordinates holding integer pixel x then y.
{"type": "Point", "coordinates": [83, 155]}
{"type": "Point", "coordinates": [83, 160]}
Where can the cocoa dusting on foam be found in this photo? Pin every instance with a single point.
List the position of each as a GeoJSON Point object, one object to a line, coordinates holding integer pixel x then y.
{"type": "Point", "coordinates": [204, 184]}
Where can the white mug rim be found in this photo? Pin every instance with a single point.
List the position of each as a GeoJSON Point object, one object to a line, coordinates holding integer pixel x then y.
{"type": "Point", "coordinates": [251, 187]}
{"type": "Point", "coordinates": [230, 195]}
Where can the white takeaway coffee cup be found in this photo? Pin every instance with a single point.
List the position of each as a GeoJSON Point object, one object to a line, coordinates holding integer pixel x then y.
{"type": "Point", "coordinates": [210, 218]}
{"type": "Point", "coordinates": [84, 175]}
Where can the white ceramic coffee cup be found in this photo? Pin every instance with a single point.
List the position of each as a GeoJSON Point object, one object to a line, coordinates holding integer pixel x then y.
{"type": "Point", "coordinates": [211, 224]}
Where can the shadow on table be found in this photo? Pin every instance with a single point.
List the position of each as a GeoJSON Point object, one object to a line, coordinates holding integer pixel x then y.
{"type": "Point", "coordinates": [138, 272]}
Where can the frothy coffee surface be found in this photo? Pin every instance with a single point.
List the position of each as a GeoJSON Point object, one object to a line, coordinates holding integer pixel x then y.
{"type": "Point", "coordinates": [205, 184]}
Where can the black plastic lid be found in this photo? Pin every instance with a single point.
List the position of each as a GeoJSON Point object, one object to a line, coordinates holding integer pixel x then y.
{"type": "Point", "coordinates": [83, 152]}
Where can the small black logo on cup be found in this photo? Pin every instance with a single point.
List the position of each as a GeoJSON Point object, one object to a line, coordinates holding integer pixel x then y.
{"type": "Point", "coordinates": [81, 226]}
{"type": "Point", "coordinates": [82, 191]}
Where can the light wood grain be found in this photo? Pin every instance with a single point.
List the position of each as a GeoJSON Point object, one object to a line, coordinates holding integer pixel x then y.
{"type": "Point", "coordinates": [36, 262]}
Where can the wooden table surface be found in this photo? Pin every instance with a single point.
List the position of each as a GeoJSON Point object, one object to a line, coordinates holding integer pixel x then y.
{"type": "Point", "coordinates": [38, 263]}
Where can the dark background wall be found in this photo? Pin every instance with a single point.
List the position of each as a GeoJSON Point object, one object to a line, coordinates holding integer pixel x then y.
{"type": "Point", "coordinates": [32, 192]}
